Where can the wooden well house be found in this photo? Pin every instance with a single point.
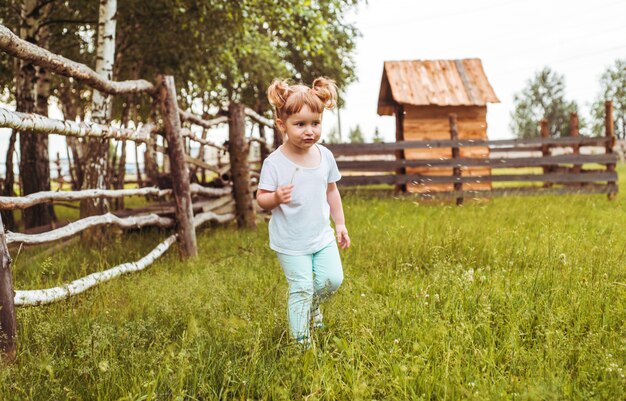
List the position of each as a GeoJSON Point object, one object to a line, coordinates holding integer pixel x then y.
{"type": "Point", "coordinates": [422, 94]}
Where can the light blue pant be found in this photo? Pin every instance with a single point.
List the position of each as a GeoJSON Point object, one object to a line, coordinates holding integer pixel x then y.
{"type": "Point", "coordinates": [312, 278]}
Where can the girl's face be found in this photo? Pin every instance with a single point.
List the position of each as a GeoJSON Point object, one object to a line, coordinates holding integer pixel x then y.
{"type": "Point", "coordinates": [303, 129]}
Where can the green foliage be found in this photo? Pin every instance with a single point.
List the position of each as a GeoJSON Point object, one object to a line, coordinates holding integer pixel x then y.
{"type": "Point", "coordinates": [223, 51]}
{"type": "Point", "coordinates": [480, 302]}
{"type": "Point", "coordinates": [543, 97]}
{"type": "Point", "coordinates": [219, 50]}
{"type": "Point", "coordinates": [70, 25]}
{"type": "Point", "coordinates": [333, 136]}
{"type": "Point", "coordinates": [377, 138]}
{"type": "Point", "coordinates": [612, 87]}
{"type": "Point", "coordinates": [356, 135]}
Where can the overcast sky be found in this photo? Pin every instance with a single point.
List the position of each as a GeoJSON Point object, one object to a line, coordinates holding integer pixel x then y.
{"type": "Point", "coordinates": [513, 38]}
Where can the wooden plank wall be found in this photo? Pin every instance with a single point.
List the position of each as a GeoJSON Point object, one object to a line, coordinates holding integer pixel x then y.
{"type": "Point", "coordinates": [423, 123]}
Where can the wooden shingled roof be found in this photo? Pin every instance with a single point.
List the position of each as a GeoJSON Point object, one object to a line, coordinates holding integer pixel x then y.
{"type": "Point", "coordinates": [434, 82]}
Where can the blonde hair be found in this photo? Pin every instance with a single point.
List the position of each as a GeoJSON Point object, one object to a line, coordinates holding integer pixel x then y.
{"type": "Point", "coordinates": [289, 99]}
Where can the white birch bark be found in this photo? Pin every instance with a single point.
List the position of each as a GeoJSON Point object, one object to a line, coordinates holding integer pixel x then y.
{"type": "Point", "coordinates": [186, 132]}
{"type": "Point", "coordinates": [96, 160]}
{"type": "Point", "coordinates": [258, 118]}
{"type": "Point", "coordinates": [186, 116]}
{"type": "Point", "coordinates": [93, 221]}
{"type": "Point", "coordinates": [22, 202]}
{"type": "Point", "coordinates": [23, 50]}
{"type": "Point", "coordinates": [105, 56]}
{"type": "Point", "coordinates": [200, 190]}
{"type": "Point", "coordinates": [44, 125]}
{"type": "Point", "coordinates": [39, 297]}
{"type": "Point", "coordinates": [202, 218]}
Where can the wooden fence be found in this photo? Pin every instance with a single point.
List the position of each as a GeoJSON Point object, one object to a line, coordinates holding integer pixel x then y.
{"type": "Point", "coordinates": [209, 204]}
{"type": "Point", "coordinates": [375, 163]}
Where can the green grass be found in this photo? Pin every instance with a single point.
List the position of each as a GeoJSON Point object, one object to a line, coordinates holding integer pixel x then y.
{"type": "Point", "coordinates": [512, 298]}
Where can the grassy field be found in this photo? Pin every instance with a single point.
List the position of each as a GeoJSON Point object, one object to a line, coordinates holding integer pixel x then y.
{"type": "Point", "coordinates": [512, 298]}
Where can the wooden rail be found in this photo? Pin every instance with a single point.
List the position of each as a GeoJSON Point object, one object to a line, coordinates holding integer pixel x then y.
{"type": "Point", "coordinates": [494, 163]}
{"type": "Point", "coordinates": [44, 125]}
{"type": "Point", "coordinates": [22, 202]}
{"type": "Point", "coordinates": [40, 297]}
{"type": "Point", "coordinates": [77, 227]}
{"type": "Point", "coordinates": [186, 116]}
{"type": "Point", "coordinates": [46, 296]}
{"type": "Point", "coordinates": [557, 178]}
{"type": "Point", "coordinates": [188, 134]}
{"type": "Point", "coordinates": [576, 172]}
{"type": "Point", "coordinates": [164, 100]}
{"type": "Point", "coordinates": [13, 45]}
{"type": "Point", "coordinates": [517, 145]}
{"type": "Point", "coordinates": [258, 118]}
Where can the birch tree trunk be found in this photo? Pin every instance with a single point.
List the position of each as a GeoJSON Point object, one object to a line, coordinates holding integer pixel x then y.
{"type": "Point", "coordinates": [96, 156]}
{"type": "Point", "coordinates": [150, 165]}
{"type": "Point", "coordinates": [42, 89]}
{"type": "Point", "coordinates": [120, 168]}
{"type": "Point", "coordinates": [69, 107]}
{"type": "Point", "coordinates": [32, 90]}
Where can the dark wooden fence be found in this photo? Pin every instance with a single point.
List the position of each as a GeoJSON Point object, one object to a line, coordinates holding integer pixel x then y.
{"type": "Point", "coordinates": [571, 171]}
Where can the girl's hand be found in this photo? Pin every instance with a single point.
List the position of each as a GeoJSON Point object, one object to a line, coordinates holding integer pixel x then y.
{"type": "Point", "coordinates": [342, 236]}
{"type": "Point", "coordinates": [283, 194]}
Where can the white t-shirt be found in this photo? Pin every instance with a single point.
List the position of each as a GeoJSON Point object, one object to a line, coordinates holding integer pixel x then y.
{"type": "Point", "coordinates": [301, 226]}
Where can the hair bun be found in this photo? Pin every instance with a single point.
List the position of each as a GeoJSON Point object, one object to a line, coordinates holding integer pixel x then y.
{"type": "Point", "coordinates": [277, 93]}
{"type": "Point", "coordinates": [326, 91]}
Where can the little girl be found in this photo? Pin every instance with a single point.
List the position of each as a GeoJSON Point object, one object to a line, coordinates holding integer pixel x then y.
{"type": "Point", "coordinates": [298, 184]}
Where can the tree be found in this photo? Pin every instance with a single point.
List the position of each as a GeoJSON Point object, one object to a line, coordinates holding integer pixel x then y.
{"type": "Point", "coordinates": [356, 136]}
{"type": "Point", "coordinates": [254, 41]}
{"type": "Point", "coordinates": [32, 89]}
{"type": "Point", "coordinates": [613, 87]}
{"type": "Point", "coordinates": [543, 97]}
{"type": "Point", "coordinates": [377, 138]}
{"type": "Point", "coordinates": [220, 51]}
{"type": "Point", "coordinates": [96, 155]}
{"type": "Point", "coordinates": [51, 24]}
{"type": "Point", "coordinates": [333, 136]}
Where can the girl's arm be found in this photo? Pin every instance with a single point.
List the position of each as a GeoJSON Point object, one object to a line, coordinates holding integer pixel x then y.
{"type": "Point", "coordinates": [336, 212]}
{"type": "Point", "coordinates": [269, 200]}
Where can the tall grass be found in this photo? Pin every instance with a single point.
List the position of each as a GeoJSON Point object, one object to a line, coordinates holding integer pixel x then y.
{"type": "Point", "coordinates": [513, 298]}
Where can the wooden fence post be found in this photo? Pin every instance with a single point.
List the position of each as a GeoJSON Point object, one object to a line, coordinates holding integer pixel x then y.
{"type": "Point", "coordinates": [265, 150]}
{"type": "Point", "coordinates": [60, 179]}
{"type": "Point", "coordinates": [609, 132]}
{"type": "Point", "coordinates": [239, 167]}
{"type": "Point", "coordinates": [8, 325]}
{"type": "Point", "coordinates": [545, 149]}
{"type": "Point", "coordinates": [180, 174]}
{"type": "Point", "coordinates": [278, 137]}
{"type": "Point", "coordinates": [400, 155]}
{"type": "Point", "coordinates": [574, 132]}
{"type": "Point", "coordinates": [456, 171]}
